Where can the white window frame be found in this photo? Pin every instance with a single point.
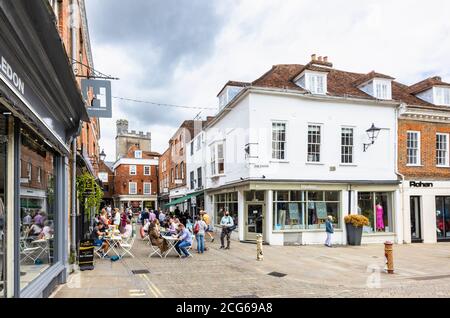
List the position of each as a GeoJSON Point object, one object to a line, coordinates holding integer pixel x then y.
{"type": "Point", "coordinates": [149, 184]}
{"type": "Point", "coordinates": [418, 156]}
{"type": "Point", "coordinates": [442, 96]}
{"type": "Point", "coordinates": [29, 172]}
{"type": "Point", "coordinates": [133, 170]}
{"type": "Point", "coordinates": [216, 160]}
{"type": "Point", "coordinates": [149, 171]}
{"type": "Point", "coordinates": [278, 149]}
{"type": "Point", "coordinates": [308, 159]}
{"type": "Point", "coordinates": [39, 171]}
{"type": "Point", "coordinates": [138, 154]}
{"type": "Point", "coordinates": [130, 187]}
{"type": "Point", "coordinates": [352, 146]}
{"type": "Point", "coordinates": [446, 150]}
{"type": "Point", "coordinates": [316, 83]}
{"type": "Point", "coordinates": [381, 90]}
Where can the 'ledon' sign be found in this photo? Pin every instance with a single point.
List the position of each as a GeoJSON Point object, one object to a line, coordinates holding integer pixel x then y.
{"type": "Point", "coordinates": [12, 76]}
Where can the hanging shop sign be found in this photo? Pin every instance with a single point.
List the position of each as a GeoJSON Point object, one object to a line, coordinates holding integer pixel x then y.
{"type": "Point", "coordinates": [98, 92]}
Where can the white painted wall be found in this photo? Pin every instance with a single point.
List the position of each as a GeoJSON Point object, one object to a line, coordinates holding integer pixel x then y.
{"type": "Point", "coordinates": [251, 121]}
{"type": "Point", "coordinates": [195, 161]}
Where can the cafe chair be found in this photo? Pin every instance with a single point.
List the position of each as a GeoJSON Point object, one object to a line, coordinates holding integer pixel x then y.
{"type": "Point", "coordinates": [154, 250]}
{"type": "Point", "coordinates": [29, 253]}
{"type": "Point", "coordinates": [127, 246]}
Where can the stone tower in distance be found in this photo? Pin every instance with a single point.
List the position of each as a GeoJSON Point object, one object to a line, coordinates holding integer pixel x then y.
{"type": "Point", "coordinates": [126, 139]}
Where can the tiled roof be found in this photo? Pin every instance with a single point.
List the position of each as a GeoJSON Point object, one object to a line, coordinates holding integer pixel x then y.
{"type": "Point", "coordinates": [370, 76]}
{"type": "Point", "coordinates": [426, 84]}
{"type": "Point", "coordinates": [233, 83]}
{"type": "Point", "coordinates": [339, 83]}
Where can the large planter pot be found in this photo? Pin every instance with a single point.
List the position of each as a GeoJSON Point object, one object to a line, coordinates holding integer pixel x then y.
{"type": "Point", "coordinates": [354, 234]}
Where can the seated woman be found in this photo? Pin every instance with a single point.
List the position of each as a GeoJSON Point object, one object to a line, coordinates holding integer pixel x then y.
{"type": "Point", "coordinates": [155, 237]}
{"type": "Point", "coordinates": [47, 231]}
{"type": "Point", "coordinates": [34, 231]}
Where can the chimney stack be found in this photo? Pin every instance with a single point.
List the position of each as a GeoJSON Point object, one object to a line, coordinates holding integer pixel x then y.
{"type": "Point", "coordinates": [313, 57]}
{"type": "Point", "coordinates": [325, 59]}
{"type": "Point", "coordinates": [320, 59]}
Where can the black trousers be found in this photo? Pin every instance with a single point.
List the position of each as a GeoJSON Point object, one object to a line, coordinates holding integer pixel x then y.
{"type": "Point", "coordinates": [227, 233]}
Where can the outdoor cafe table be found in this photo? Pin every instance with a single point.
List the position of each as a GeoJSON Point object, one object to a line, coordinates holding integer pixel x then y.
{"type": "Point", "coordinates": [172, 241]}
{"type": "Point", "coordinates": [114, 244]}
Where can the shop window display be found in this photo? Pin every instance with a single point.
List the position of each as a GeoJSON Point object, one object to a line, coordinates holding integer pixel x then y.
{"type": "Point", "coordinates": [377, 207]}
{"type": "Point", "coordinates": [37, 207]}
{"type": "Point", "coordinates": [305, 209]}
{"type": "Point", "coordinates": [224, 202]}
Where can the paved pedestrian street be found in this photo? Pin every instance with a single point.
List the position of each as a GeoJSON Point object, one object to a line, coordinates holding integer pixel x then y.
{"type": "Point", "coordinates": [421, 270]}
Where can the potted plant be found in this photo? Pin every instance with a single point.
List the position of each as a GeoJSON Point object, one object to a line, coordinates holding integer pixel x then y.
{"type": "Point", "coordinates": [354, 224]}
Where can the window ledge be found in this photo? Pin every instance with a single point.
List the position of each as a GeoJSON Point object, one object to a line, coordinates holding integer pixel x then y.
{"type": "Point", "coordinates": [278, 161]}
{"type": "Point", "coordinates": [415, 165]}
{"type": "Point", "coordinates": [218, 175]}
{"type": "Point", "coordinates": [437, 166]}
{"type": "Point", "coordinates": [348, 165]}
{"type": "Point", "coordinates": [315, 163]}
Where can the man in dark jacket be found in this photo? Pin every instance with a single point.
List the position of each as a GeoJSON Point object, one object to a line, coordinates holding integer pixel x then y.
{"type": "Point", "coordinates": [329, 229]}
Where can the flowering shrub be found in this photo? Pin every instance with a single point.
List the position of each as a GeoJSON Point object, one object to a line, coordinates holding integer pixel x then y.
{"type": "Point", "coordinates": [357, 220]}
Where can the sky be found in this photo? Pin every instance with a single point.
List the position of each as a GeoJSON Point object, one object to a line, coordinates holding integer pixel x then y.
{"type": "Point", "coordinates": [182, 52]}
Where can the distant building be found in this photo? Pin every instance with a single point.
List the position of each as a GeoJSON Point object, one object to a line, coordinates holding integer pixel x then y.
{"type": "Point", "coordinates": [126, 139]}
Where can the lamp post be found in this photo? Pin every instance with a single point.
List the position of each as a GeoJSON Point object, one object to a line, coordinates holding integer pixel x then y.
{"type": "Point", "coordinates": [373, 133]}
{"type": "Point", "coordinates": [102, 155]}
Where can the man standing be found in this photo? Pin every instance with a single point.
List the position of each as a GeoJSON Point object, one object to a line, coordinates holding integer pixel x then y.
{"type": "Point", "coordinates": [227, 223]}
{"type": "Point", "coordinates": [329, 229]}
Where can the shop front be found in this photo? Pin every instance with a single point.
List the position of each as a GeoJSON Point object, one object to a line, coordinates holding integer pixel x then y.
{"type": "Point", "coordinates": [40, 114]}
{"type": "Point", "coordinates": [295, 213]}
{"type": "Point", "coordinates": [426, 206]}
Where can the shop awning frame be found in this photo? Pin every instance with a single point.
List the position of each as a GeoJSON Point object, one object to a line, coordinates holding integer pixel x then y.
{"type": "Point", "coordinates": [183, 199]}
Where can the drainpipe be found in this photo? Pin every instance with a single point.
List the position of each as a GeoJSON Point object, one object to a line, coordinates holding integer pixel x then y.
{"type": "Point", "coordinates": [74, 197]}
{"type": "Point", "coordinates": [397, 172]}
{"type": "Point", "coordinates": [349, 199]}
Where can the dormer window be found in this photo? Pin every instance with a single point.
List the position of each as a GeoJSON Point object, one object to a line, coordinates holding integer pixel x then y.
{"type": "Point", "coordinates": [138, 154]}
{"type": "Point", "coordinates": [382, 89]}
{"type": "Point", "coordinates": [228, 94]}
{"type": "Point", "coordinates": [315, 82]}
{"type": "Point", "coordinates": [442, 96]}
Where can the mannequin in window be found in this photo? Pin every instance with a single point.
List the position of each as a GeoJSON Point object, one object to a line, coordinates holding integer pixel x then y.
{"type": "Point", "coordinates": [380, 216]}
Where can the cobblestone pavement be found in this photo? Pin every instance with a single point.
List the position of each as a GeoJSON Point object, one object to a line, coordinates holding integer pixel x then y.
{"type": "Point", "coordinates": [421, 270]}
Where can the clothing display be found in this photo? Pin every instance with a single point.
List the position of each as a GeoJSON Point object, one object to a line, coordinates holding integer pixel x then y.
{"type": "Point", "coordinates": [380, 217]}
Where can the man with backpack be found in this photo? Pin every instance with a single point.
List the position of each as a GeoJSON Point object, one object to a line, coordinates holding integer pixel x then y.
{"type": "Point", "coordinates": [228, 226]}
{"type": "Point", "coordinates": [199, 231]}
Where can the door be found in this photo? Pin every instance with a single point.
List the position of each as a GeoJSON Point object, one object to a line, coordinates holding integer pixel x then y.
{"type": "Point", "coordinates": [415, 214]}
{"type": "Point", "coordinates": [443, 218]}
{"type": "Point", "coordinates": [254, 222]}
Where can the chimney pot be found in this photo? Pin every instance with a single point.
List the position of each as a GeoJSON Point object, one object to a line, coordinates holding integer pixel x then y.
{"type": "Point", "coordinates": [320, 59]}
{"type": "Point", "coordinates": [325, 59]}
{"type": "Point", "coordinates": [313, 57]}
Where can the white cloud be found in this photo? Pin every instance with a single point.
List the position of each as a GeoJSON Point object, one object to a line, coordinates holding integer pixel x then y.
{"type": "Point", "coordinates": [406, 39]}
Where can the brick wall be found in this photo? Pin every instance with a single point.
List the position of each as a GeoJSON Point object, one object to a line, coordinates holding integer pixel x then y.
{"type": "Point", "coordinates": [428, 169]}
{"type": "Point", "coordinates": [122, 178]}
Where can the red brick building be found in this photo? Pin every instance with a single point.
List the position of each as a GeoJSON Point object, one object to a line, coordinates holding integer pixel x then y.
{"type": "Point", "coordinates": [423, 161]}
{"type": "Point", "coordinates": [136, 180]}
{"type": "Point", "coordinates": [164, 177]}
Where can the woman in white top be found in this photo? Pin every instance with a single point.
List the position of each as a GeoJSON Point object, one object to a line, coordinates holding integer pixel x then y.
{"type": "Point", "coordinates": [116, 217]}
{"type": "Point", "coordinates": [128, 230]}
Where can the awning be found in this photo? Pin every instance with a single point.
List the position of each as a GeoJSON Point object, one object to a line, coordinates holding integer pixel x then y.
{"type": "Point", "coordinates": [183, 199]}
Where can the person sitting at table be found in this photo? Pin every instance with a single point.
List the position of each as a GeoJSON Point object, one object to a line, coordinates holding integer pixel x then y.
{"type": "Point", "coordinates": [47, 231]}
{"type": "Point", "coordinates": [98, 234]}
{"type": "Point", "coordinates": [155, 237]}
{"type": "Point", "coordinates": [34, 231]}
{"type": "Point", "coordinates": [185, 240]}
{"type": "Point", "coordinates": [128, 230]}
{"type": "Point", "coordinates": [104, 218]}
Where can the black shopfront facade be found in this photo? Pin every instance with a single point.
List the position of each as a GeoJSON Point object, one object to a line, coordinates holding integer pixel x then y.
{"type": "Point", "coordinates": [41, 110]}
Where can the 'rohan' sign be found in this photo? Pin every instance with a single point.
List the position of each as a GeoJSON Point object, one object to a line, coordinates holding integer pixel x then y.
{"type": "Point", "coordinates": [420, 184]}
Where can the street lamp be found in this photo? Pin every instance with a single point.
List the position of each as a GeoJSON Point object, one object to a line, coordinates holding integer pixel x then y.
{"type": "Point", "coordinates": [102, 155]}
{"type": "Point", "coordinates": [372, 132]}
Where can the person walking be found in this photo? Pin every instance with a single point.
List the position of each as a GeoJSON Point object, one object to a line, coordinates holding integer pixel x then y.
{"type": "Point", "coordinates": [207, 219]}
{"type": "Point", "coordinates": [227, 224]}
{"type": "Point", "coordinates": [199, 231]}
{"type": "Point", "coordinates": [152, 216]}
{"type": "Point", "coordinates": [329, 229]}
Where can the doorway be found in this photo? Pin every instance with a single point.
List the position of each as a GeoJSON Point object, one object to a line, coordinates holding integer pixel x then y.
{"type": "Point", "coordinates": [443, 218]}
{"type": "Point", "coordinates": [415, 215]}
{"type": "Point", "coordinates": [254, 220]}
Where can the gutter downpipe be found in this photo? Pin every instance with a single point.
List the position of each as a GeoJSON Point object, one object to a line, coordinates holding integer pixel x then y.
{"type": "Point", "coordinates": [402, 190]}
{"type": "Point", "coordinates": [74, 197]}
